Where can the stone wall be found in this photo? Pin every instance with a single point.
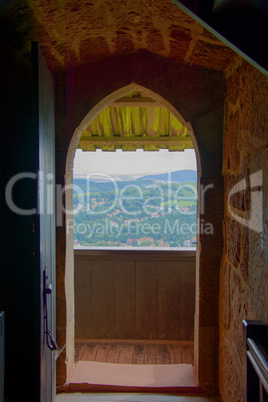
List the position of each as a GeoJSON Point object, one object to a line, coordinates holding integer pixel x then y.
{"type": "Point", "coordinates": [244, 270]}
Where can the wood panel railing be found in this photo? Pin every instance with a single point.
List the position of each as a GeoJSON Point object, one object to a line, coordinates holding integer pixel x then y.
{"type": "Point", "coordinates": [134, 294]}
{"type": "Point", "coordinates": [256, 361]}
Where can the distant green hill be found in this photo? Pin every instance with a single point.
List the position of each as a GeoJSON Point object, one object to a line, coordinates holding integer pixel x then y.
{"type": "Point", "coordinates": [140, 212]}
{"type": "Point", "coordinates": [180, 176]}
{"type": "Point", "coordinates": [97, 185]}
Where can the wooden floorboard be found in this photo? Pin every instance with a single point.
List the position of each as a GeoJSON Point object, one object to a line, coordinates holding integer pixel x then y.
{"type": "Point", "coordinates": [150, 357]}
{"type": "Point", "coordinates": [114, 352]}
{"type": "Point", "coordinates": [138, 354]}
{"type": "Point", "coordinates": [162, 354]}
{"type": "Point", "coordinates": [90, 351]}
{"type": "Point", "coordinates": [175, 354]}
{"type": "Point", "coordinates": [102, 352]}
{"type": "Point", "coordinates": [187, 355]}
{"type": "Point", "coordinates": [79, 350]}
{"type": "Point", "coordinates": [135, 352]}
{"type": "Point", "coordinates": [126, 353]}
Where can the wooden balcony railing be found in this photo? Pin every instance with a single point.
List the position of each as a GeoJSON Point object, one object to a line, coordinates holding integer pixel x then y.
{"type": "Point", "coordinates": [256, 361]}
{"type": "Point", "coordinates": [126, 294]}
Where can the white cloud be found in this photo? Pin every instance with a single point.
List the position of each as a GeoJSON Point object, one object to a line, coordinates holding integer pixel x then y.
{"type": "Point", "coordinates": [136, 163]}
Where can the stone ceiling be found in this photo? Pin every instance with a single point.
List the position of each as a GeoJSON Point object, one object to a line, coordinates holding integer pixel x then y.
{"type": "Point", "coordinates": [76, 32]}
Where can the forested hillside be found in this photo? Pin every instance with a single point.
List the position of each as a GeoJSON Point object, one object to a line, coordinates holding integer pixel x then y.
{"type": "Point", "coordinates": [146, 212]}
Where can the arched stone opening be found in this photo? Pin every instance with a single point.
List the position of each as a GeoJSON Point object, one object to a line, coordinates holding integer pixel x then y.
{"type": "Point", "coordinates": [174, 86]}
{"type": "Point", "coordinates": [69, 181]}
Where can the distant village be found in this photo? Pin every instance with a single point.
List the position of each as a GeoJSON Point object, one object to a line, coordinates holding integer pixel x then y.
{"type": "Point", "coordinates": [97, 224]}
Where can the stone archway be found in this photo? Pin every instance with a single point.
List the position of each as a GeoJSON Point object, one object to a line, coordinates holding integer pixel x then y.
{"type": "Point", "coordinates": [69, 180]}
{"type": "Point", "coordinates": [194, 96]}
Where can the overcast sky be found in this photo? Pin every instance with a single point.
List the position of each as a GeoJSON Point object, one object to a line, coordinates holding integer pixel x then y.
{"type": "Point", "coordinates": [137, 163]}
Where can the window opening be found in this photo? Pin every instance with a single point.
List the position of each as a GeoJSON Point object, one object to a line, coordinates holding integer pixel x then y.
{"type": "Point", "coordinates": [135, 199]}
{"type": "Point", "coordinates": [145, 197]}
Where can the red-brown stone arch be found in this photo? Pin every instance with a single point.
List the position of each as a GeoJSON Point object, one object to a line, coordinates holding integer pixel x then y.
{"type": "Point", "coordinates": [195, 96]}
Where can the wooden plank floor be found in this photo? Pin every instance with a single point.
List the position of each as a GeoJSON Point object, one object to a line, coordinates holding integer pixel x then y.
{"type": "Point", "coordinates": [135, 352]}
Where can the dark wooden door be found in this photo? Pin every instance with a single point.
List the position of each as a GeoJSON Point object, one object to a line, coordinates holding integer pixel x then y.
{"type": "Point", "coordinates": [27, 238]}
{"type": "Point", "coordinates": [46, 207]}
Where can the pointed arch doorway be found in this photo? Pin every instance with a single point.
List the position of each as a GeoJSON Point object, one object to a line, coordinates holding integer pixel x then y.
{"type": "Point", "coordinates": [184, 372]}
{"type": "Point", "coordinates": [198, 95]}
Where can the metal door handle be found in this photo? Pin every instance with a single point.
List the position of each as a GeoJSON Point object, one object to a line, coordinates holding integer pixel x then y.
{"type": "Point", "coordinates": [48, 289]}
{"type": "Point", "coordinates": [51, 343]}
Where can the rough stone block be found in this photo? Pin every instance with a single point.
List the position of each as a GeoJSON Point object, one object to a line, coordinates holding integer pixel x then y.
{"type": "Point", "coordinates": [180, 39]}
{"type": "Point", "coordinates": [231, 150]}
{"type": "Point", "coordinates": [155, 41]}
{"type": "Point", "coordinates": [239, 200]}
{"type": "Point", "coordinates": [233, 88]}
{"type": "Point", "coordinates": [123, 42]}
{"type": "Point", "coordinates": [232, 241]}
{"type": "Point", "coordinates": [225, 295]}
{"type": "Point", "coordinates": [205, 52]}
{"type": "Point", "coordinates": [230, 374]}
{"type": "Point", "coordinates": [93, 47]}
